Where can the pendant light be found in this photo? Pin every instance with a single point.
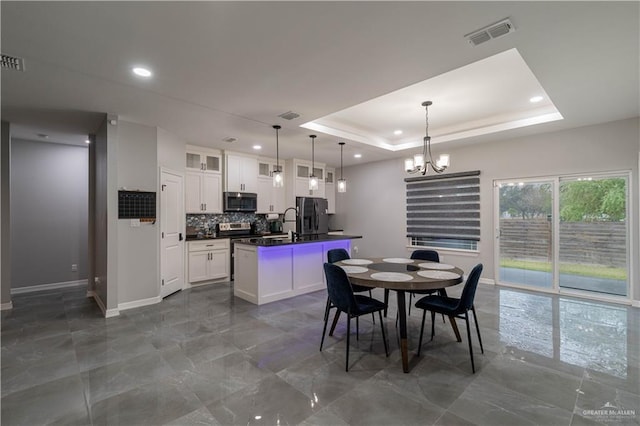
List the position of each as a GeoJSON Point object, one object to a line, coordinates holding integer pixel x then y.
{"type": "Point", "coordinates": [278, 181]}
{"type": "Point", "coordinates": [421, 162]}
{"type": "Point", "coordinates": [313, 180]}
{"type": "Point", "coordinates": [342, 183]}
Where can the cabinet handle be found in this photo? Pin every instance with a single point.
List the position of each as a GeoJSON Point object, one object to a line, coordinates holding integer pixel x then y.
{"type": "Point", "coordinates": [205, 206]}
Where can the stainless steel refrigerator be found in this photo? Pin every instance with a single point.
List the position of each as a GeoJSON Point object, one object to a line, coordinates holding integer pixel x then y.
{"type": "Point", "coordinates": [312, 216]}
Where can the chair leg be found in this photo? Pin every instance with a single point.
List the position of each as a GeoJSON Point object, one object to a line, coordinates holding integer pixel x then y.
{"type": "Point", "coordinates": [411, 295]}
{"type": "Point", "coordinates": [386, 301]}
{"type": "Point", "coordinates": [443, 293]}
{"type": "Point", "coordinates": [357, 328]}
{"type": "Point", "coordinates": [326, 310]}
{"type": "Point", "coordinates": [466, 319]}
{"type": "Point", "coordinates": [424, 317]}
{"type": "Point", "coordinates": [348, 340]}
{"type": "Point", "coordinates": [373, 314]}
{"type": "Point", "coordinates": [475, 319]}
{"type": "Point", "coordinates": [335, 321]}
{"type": "Point", "coordinates": [324, 329]}
{"type": "Point", "coordinates": [433, 324]}
{"type": "Point", "coordinates": [384, 337]}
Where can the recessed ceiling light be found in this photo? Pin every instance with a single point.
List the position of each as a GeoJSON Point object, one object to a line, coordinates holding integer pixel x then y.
{"type": "Point", "coordinates": [142, 72]}
{"type": "Point", "coordinates": [357, 155]}
{"type": "Point", "coordinates": [87, 141]}
{"type": "Point", "coordinates": [257, 147]}
{"type": "Point", "coordinates": [397, 132]}
{"type": "Point", "coordinates": [535, 99]}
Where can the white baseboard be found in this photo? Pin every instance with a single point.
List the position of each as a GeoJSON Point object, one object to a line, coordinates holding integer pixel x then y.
{"type": "Point", "coordinates": [52, 286]}
{"type": "Point", "coordinates": [487, 281]}
{"type": "Point", "coordinates": [6, 306]}
{"type": "Point", "coordinates": [139, 303]}
{"type": "Point", "coordinates": [108, 313]}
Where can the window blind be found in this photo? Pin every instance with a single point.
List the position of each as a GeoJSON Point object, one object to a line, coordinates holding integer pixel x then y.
{"type": "Point", "coordinates": [441, 208]}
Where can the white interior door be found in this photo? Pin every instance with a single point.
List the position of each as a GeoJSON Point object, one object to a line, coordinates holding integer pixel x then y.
{"type": "Point", "coordinates": [172, 233]}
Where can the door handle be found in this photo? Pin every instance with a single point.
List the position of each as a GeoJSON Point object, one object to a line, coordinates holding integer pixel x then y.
{"type": "Point", "coordinates": [180, 236]}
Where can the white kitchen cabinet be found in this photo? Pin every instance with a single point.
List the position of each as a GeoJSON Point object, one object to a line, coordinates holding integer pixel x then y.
{"type": "Point", "coordinates": [330, 189]}
{"type": "Point", "coordinates": [203, 192]}
{"type": "Point", "coordinates": [203, 180]}
{"type": "Point", "coordinates": [208, 260]}
{"type": "Point", "coordinates": [203, 159]}
{"type": "Point", "coordinates": [270, 199]}
{"type": "Point", "coordinates": [241, 172]}
{"type": "Point", "coordinates": [301, 182]}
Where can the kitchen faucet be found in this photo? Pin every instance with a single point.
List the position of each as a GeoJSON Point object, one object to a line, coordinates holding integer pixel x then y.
{"type": "Point", "coordinates": [284, 219]}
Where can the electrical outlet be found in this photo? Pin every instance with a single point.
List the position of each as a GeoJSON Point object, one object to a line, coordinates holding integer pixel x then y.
{"type": "Point", "coordinates": [355, 249]}
{"type": "Point", "coordinates": [74, 268]}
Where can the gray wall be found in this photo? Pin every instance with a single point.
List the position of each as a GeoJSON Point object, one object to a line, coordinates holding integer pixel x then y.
{"type": "Point", "coordinates": [5, 216]}
{"type": "Point", "coordinates": [374, 205]}
{"type": "Point", "coordinates": [49, 200]}
{"type": "Point", "coordinates": [171, 151]}
{"type": "Point", "coordinates": [138, 255]}
{"type": "Point", "coordinates": [105, 220]}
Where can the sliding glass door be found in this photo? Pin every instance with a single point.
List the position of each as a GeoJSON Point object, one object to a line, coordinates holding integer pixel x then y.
{"type": "Point", "coordinates": [526, 233]}
{"type": "Point", "coordinates": [593, 234]}
{"type": "Point", "coordinates": [564, 234]}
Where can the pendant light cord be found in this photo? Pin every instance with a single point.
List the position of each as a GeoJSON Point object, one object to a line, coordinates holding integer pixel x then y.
{"type": "Point", "coordinates": [277, 148]}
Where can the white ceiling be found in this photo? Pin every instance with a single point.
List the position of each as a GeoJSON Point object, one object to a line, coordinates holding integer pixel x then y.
{"type": "Point", "coordinates": [226, 69]}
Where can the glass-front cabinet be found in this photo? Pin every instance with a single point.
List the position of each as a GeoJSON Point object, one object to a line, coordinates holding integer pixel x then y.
{"type": "Point", "coordinates": [199, 158]}
{"type": "Point", "coordinates": [203, 180]}
{"type": "Point", "coordinates": [270, 199]}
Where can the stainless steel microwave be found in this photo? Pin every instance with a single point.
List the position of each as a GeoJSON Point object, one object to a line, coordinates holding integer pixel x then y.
{"type": "Point", "coordinates": [240, 202]}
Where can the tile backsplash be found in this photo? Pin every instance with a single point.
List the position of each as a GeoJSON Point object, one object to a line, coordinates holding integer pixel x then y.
{"type": "Point", "coordinates": [202, 222]}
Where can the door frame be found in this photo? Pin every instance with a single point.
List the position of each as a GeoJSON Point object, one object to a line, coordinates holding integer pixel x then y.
{"type": "Point", "coordinates": [181, 213]}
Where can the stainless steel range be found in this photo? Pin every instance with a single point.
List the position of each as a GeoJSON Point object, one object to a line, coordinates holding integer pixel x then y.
{"type": "Point", "coordinates": [234, 231]}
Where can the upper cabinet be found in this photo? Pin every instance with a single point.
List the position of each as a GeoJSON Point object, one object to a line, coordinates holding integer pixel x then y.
{"type": "Point", "coordinates": [270, 199]}
{"type": "Point", "coordinates": [241, 172]}
{"type": "Point", "coordinates": [330, 189]}
{"type": "Point", "coordinates": [203, 159]}
{"type": "Point", "coordinates": [203, 180]}
{"type": "Point", "coordinates": [302, 171]}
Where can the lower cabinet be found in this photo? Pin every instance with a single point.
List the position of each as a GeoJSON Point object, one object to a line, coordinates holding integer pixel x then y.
{"type": "Point", "coordinates": [208, 260]}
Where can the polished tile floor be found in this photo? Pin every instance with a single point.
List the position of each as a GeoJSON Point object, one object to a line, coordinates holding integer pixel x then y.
{"type": "Point", "coordinates": [204, 357]}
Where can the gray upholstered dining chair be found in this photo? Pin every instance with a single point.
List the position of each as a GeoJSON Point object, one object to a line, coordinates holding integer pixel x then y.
{"type": "Point", "coordinates": [430, 256]}
{"type": "Point", "coordinates": [333, 256]}
{"type": "Point", "coordinates": [342, 297]}
{"type": "Point", "coordinates": [453, 307]}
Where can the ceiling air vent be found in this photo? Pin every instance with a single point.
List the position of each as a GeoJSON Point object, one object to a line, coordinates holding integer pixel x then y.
{"type": "Point", "coordinates": [12, 63]}
{"type": "Point", "coordinates": [289, 115]}
{"type": "Point", "coordinates": [490, 32]}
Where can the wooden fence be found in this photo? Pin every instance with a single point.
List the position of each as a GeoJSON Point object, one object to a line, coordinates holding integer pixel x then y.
{"type": "Point", "coordinates": [599, 243]}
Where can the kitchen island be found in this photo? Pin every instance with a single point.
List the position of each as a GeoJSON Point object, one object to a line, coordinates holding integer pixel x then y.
{"type": "Point", "coordinates": [270, 269]}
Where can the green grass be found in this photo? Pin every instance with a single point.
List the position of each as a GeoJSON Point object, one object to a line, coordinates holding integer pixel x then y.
{"type": "Point", "coordinates": [595, 271]}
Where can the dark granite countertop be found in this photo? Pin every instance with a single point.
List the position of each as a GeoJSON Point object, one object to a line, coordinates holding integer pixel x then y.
{"type": "Point", "coordinates": [271, 242]}
{"type": "Point", "coordinates": [211, 237]}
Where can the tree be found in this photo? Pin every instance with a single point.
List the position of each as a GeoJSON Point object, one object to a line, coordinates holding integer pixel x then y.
{"type": "Point", "coordinates": [527, 201]}
{"type": "Point", "coordinates": [593, 200]}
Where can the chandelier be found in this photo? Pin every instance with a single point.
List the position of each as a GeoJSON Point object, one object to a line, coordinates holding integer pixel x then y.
{"type": "Point", "coordinates": [278, 181]}
{"type": "Point", "coordinates": [420, 163]}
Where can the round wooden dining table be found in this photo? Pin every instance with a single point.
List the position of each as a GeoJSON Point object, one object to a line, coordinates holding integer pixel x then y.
{"type": "Point", "coordinates": [401, 275]}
